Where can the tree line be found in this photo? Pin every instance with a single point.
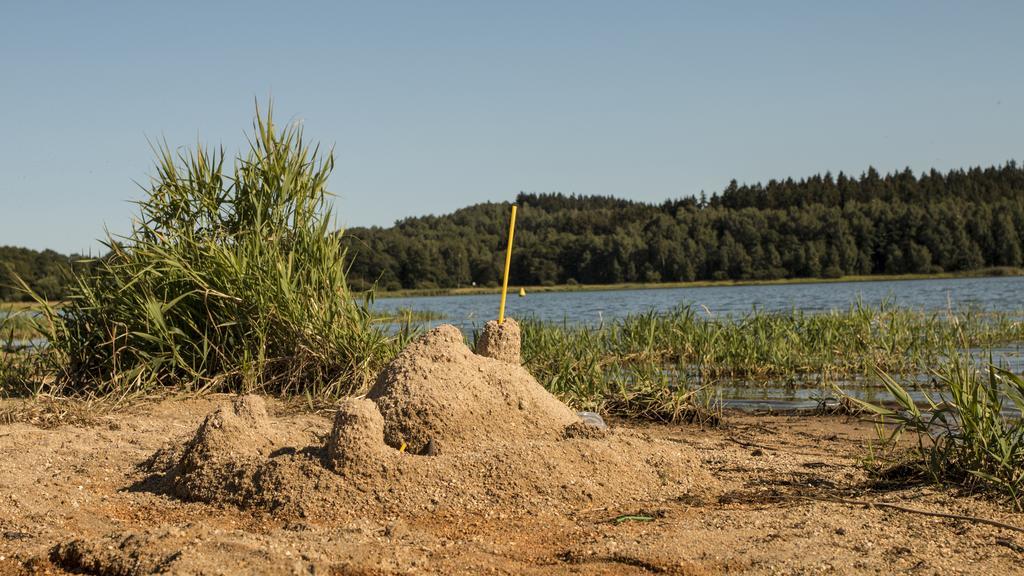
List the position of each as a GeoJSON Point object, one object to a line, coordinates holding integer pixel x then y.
{"type": "Point", "coordinates": [45, 272]}
{"type": "Point", "coordinates": [821, 226]}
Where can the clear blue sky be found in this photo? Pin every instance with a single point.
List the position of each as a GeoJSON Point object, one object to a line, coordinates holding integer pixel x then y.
{"type": "Point", "coordinates": [436, 105]}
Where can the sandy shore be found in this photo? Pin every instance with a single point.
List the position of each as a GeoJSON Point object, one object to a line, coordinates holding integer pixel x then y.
{"type": "Point", "coordinates": [73, 500]}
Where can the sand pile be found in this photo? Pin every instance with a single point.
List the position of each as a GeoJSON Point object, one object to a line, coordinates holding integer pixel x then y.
{"type": "Point", "coordinates": [229, 445]}
{"type": "Point", "coordinates": [438, 390]}
{"type": "Point", "coordinates": [443, 429]}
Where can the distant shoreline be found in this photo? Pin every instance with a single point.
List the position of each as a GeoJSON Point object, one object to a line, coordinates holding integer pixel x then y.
{"type": "Point", "coordinates": [476, 290]}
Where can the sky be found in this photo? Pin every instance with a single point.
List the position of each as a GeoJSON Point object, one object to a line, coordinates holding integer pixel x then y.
{"type": "Point", "coordinates": [432, 106]}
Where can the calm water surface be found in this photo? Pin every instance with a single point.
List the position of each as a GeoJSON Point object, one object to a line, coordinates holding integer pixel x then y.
{"type": "Point", "coordinates": [591, 308]}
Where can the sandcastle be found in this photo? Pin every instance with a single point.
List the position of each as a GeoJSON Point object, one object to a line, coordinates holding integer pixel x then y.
{"type": "Point", "coordinates": [443, 427]}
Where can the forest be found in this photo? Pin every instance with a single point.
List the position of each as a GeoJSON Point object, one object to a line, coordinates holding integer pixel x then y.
{"type": "Point", "coordinates": [45, 272]}
{"type": "Point", "coordinates": [823, 226]}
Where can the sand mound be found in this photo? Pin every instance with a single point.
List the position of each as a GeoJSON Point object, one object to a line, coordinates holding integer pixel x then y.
{"type": "Point", "coordinates": [226, 459]}
{"type": "Point", "coordinates": [443, 429]}
{"type": "Point", "coordinates": [240, 430]}
{"type": "Point", "coordinates": [438, 390]}
{"type": "Point", "coordinates": [230, 444]}
{"type": "Point", "coordinates": [357, 439]}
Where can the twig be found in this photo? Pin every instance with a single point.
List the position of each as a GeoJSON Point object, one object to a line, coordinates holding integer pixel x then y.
{"type": "Point", "coordinates": [890, 506]}
{"type": "Point", "coordinates": [1011, 545]}
{"type": "Point", "coordinates": [750, 444]}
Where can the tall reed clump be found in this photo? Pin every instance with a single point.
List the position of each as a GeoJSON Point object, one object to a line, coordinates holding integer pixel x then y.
{"type": "Point", "coordinates": [231, 279]}
{"type": "Point", "coordinates": [971, 434]}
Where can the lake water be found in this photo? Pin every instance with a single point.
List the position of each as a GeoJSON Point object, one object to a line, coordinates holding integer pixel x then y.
{"type": "Point", "coordinates": [591, 308]}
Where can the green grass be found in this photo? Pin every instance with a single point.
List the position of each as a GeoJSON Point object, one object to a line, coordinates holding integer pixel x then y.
{"type": "Point", "coordinates": [406, 316]}
{"type": "Point", "coordinates": [650, 365]}
{"type": "Point", "coordinates": [17, 322]}
{"type": "Point", "coordinates": [963, 435]}
{"type": "Point", "coordinates": [762, 345]}
{"type": "Point", "coordinates": [21, 370]}
{"type": "Point", "coordinates": [231, 279]}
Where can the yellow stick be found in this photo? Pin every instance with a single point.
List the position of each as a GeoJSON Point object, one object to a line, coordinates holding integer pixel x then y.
{"type": "Point", "coordinates": [508, 262]}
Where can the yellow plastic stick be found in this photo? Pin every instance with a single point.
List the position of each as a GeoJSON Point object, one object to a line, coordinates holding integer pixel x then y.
{"type": "Point", "coordinates": [508, 262]}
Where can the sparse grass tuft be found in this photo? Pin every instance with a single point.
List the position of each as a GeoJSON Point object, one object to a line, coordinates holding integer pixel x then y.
{"type": "Point", "coordinates": [46, 411]}
{"type": "Point", "coordinates": [971, 434]}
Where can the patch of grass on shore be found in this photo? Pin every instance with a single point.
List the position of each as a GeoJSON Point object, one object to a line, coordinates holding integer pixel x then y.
{"type": "Point", "coordinates": [969, 433]}
{"type": "Point", "coordinates": [667, 366]}
{"type": "Point", "coordinates": [406, 316]}
{"type": "Point", "coordinates": [763, 345]}
{"type": "Point", "coordinates": [683, 354]}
